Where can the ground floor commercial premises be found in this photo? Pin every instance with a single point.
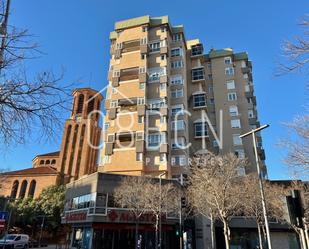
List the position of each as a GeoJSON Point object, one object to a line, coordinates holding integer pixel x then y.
{"type": "Point", "coordinates": [96, 222]}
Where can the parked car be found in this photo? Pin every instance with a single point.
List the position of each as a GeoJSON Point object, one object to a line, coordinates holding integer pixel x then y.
{"type": "Point", "coordinates": [15, 241]}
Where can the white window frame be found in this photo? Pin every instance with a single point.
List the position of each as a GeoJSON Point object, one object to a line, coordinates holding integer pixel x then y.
{"type": "Point", "coordinates": [114, 103]}
{"type": "Point", "coordinates": [230, 84]}
{"type": "Point", "coordinates": [235, 123]}
{"type": "Point", "coordinates": [177, 64]}
{"type": "Point", "coordinates": [178, 125]}
{"type": "Point", "coordinates": [195, 102]}
{"type": "Point", "coordinates": [232, 96]}
{"type": "Point", "coordinates": [178, 93]}
{"type": "Point", "coordinates": [236, 139]}
{"type": "Point", "coordinates": [177, 107]}
{"type": "Point", "coordinates": [177, 37]}
{"type": "Point", "coordinates": [176, 80]}
{"type": "Point", "coordinates": [154, 47]}
{"type": "Point", "coordinates": [227, 60]}
{"type": "Point", "coordinates": [157, 137]}
{"type": "Point", "coordinates": [141, 101]}
{"type": "Point", "coordinates": [233, 110]}
{"type": "Point", "coordinates": [175, 52]}
{"type": "Point", "coordinates": [229, 71]}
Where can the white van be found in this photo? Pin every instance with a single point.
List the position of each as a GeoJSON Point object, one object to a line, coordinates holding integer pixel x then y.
{"type": "Point", "coordinates": [14, 241]}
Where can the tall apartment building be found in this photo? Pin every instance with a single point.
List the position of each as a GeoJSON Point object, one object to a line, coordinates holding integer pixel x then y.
{"type": "Point", "coordinates": [164, 99]}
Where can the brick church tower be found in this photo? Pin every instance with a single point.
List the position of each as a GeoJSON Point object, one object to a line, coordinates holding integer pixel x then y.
{"type": "Point", "coordinates": [81, 136]}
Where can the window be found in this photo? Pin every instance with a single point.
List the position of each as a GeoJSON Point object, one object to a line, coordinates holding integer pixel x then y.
{"type": "Point", "coordinates": [32, 188]}
{"type": "Point", "coordinates": [176, 52]}
{"type": "Point", "coordinates": [235, 123]}
{"type": "Point", "coordinates": [155, 104]}
{"type": "Point", "coordinates": [139, 157]}
{"type": "Point", "coordinates": [178, 125]}
{"type": "Point", "coordinates": [197, 49]}
{"type": "Point", "coordinates": [233, 110]}
{"type": "Point", "coordinates": [116, 73]}
{"type": "Point", "coordinates": [163, 57]}
{"type": "Point", "coordinates": [250, 114]}
{"type": "Point", "coordinates": [210, 76]}
{"type": "Point", "coordinates": [178, 143]}
{"type": "Point", "coordinates": [240, 153]}
{"type": "Point", "coordinates": [232, 96]}
{"type": "Point", "coordinates": [140, 119]}
{"type": "Point", "coordinates": [162, 119]}
{"type": "Point", "coordinates": [143, 41]}
{"type": "Point", "coordinates": [177, 110]}
{"type": "Point", "coordinates": [211, 101]}
{"type": "Point", "coordinates": [229, 71]}
{"type": "Point", "coordinates": [114, 90]}
{"type": "Point", "coordinates": [139, 135]}
{"type": "Point", "coordinates": [111, 138]}
{"type": "Point", "coordinates": [163, 157]}
{"type": "Point", "coordinates": [141, 101]}
{"type": "Point", "coordinates": [143, 56]}
{"type": "Point", "coordinates": [230, 84]}
{"type": "Point", "coordinates": [154, 140]}
{"type": "Point", "coordinates": [176, 80]}
{"type": "Point", "coordinates": [14, 189]}
{"type": "Point", "coordinates": [154, 47]}
{"type": "Point", "coordinates": [200, 129]}
{"type": "Point", "coordinates": [177, 93]}
{"type": "Point", "coordinates": [227, 60]}
{"type": "Point", "coordinates": [199, 100]}
{"type": "Point", "coordinates": [142, 86]}
{"type": "Point", "coordinates": [23, 189]}
{"type": "Point", "coordinates": [236, 139]}
{"type": "Point", "coordinates": [179, 160]}
{"type": "Point", "coordinates": [142, 70]}
{"type": "Point", "coordinates": [176, 64]}
{"type": "Point", "coordinates": [198, 73]}
{"type": "Point", "coordinates": [155, 73]}
{"type": "Point", "coordinates": [176, 37]}
{"type": "Point", "coordinates": [163, 29]}
{"type": "Point", "coordinates": [145, 29]}
{"type": "Point", "coordinates": [114, 103]}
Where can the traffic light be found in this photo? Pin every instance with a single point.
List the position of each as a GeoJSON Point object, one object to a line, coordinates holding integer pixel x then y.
{"type": "Point", "coordinates": [177, 231]}
{"type": "Point", "coordinates": [183, 202]}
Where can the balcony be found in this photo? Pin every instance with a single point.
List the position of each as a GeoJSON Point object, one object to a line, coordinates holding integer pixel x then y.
{"type": "Point", "coordinates": [261, 153]}
{"type": "Point", "coordinates": [124, 140]}
{"type": "Point", "coordinates": [248, 91]}
{"type": "Point", "coordinates": [129, 74]}
{"type": "Point", "coordinates": [197, 50]}
{"type": "Point", "coordinates": [130, 46]}
{"type": "Point", "coordinates": [246, 70]}
{"type": "Point", "coordinates": [252, 121]}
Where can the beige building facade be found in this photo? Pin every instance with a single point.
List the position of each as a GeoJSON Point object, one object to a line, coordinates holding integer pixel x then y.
{"type": "Point", "coordinates": [164, 100]}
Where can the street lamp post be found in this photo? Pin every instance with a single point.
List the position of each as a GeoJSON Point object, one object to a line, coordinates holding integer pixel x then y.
{"type": "Point", "coordinates": [160, 216]}
{"type": "Point", "coordinates": [261, 186]}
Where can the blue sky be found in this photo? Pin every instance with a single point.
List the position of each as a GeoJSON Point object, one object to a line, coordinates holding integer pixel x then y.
{"type": "Point", "coordinates": [74, 34]}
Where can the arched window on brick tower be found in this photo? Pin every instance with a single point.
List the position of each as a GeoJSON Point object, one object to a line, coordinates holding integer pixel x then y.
{"type": "Point", "coordinates": [23, 189]}
{"type": "Point", "coordinates": [90, 104]}
{"type": "Point", "coordinates": [32, 188]}
{"type": "Point", "coordinates": [80, 104]}
{"type": "Point", "coordinates": [14, 189]}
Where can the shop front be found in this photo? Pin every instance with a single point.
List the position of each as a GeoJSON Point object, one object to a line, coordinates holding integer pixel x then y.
{"type": "Point", "coordinates": [96, 223]}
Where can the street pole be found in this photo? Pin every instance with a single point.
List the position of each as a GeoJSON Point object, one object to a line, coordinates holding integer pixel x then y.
{"type": "Point", "coordinates": [42, 225]}
{"type": "Point", "coordinates": [261, 186]}
{"type": "Point", "coordinates": [180, 225]}
{"type": "Point", "coordinates": [160, 215]}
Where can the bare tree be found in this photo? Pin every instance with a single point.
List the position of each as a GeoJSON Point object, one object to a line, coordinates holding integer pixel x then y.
{"type": "Point", "coordinates": [214, 183]}
{"type": "Point", "coordinates": [130, 194]}
{"type": "Point", "coordinates": [28, 104]}
{"type": "Point", "coordinates": [297, 51]}
{"type": "Point", "coordinates": [298, 145]}
{"type": "Point", "coordinates": [161, 200]}
{"type": "Point", "coordinates": [252, 202]}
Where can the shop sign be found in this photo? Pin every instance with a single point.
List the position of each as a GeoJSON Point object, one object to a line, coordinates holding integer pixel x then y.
{"type": "Point", "coordinates": [76, 216]}
{"type": "Point", "coordinates": [115, 215]}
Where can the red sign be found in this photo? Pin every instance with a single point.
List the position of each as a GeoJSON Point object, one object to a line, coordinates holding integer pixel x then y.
{"type": "Point", "coordinates": [127, 216]}
{"type": "Point", "coordinates": [76, 216]}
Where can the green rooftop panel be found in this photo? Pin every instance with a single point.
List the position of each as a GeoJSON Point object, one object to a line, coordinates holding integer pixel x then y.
{"type": "Point", "coordinates": [132, 22]}
{"type": "Point", "coordinates": [155, 21]}
{"type": "Point", "coordinates": [177, 29]}
{"type": "Point", "coordinates": [241, 56]}
{"type": "Point", "coordinates": [220, 52]}
{"type": "Point", "coordinates": [113, 35]}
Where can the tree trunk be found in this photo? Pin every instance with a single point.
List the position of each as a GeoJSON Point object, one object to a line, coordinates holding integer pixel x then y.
{"type": "Point", "coordinates": [136, 234]}
{"type": "Point", "coordinates": [226, 230]}
{"type": "Point", "coordinates": [306, 233]}
{"type": "Point", "coordinates": [212, 230]}
{"type": "Point", "coordinates": [302, 239]}
{"type": "Point", "coordinates": [260, 236]}
{"type": "Point", "coordinates": [157, 230]}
